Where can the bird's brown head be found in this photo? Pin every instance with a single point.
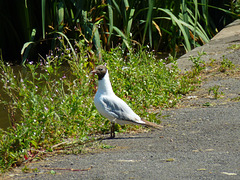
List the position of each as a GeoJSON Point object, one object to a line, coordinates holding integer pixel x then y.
{"type": "Point", "coordinates": [100, 70]}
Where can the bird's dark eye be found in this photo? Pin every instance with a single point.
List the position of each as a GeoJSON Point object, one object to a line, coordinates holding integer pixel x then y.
{"type": "Point", "coordinates": [101, 69]}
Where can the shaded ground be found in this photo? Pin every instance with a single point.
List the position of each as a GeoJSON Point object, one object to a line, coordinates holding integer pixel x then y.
{"type": "Point", "coordinates": [200, 140]}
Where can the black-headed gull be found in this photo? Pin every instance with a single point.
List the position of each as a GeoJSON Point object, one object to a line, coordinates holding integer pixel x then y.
{"type": "Point", "coordinates": [111, 106]}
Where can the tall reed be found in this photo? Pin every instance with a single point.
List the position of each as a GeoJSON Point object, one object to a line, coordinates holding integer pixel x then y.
{"type": "Point", "coordinates": [175, 25]}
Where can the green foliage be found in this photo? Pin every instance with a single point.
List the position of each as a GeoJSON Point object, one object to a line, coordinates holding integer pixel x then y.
{"type": "Point", "coordinates": [105, 146]}
{"type": "Point", "coordinates": [163, 21]}
{"type": "Point", "coordinates": [225, 64]}
{"type": "Point", "coordinates": [234, 47]}
{"type": "Point", "coordinates": [175, 25]}
{"type": "Point", "coordinates": [52, 172]}
{"type": "Point", "coordinates": [49, 105]}
{"type": "Point", "coordinates": [26, 169]}
{"type": "Point", "coordinates": [215, 90]}
{"type": "Point", "coordinates": [207, 104]}
{"type": "Point", "coordinates": [198, 63]}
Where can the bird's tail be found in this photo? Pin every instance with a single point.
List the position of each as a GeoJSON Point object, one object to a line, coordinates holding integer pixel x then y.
{"type": "Point", "coordinates": [152, 125]}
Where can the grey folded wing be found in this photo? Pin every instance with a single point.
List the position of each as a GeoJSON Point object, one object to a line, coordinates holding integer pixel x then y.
{"type": "Point", "coordinates": [118, 109]}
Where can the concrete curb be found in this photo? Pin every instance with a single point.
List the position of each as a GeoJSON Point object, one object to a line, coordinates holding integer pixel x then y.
{"type": "Point", "coordinates": [217, 48]}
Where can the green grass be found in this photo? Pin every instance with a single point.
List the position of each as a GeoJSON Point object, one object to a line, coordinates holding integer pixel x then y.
{"type": "Point", "coordinates": [51, 108]}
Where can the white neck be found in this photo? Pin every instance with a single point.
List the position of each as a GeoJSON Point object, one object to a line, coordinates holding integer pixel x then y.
{"type": "Point", "coordinates": [104, 85]}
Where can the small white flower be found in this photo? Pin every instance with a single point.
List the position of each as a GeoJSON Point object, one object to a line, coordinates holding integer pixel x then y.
{"type": "Point", "coordinates": [124, 67]}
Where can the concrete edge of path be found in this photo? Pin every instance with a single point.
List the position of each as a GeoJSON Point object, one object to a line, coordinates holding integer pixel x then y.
{"type": "Point", "coordinates": [217, 48]}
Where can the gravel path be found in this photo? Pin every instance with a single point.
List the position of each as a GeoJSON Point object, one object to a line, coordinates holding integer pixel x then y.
{"type": "Point", "coordinates": [200, 139]}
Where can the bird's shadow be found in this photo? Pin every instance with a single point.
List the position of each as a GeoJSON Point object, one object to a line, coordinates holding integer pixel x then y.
{"type": "Point", "coordinates": [120, 138]}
